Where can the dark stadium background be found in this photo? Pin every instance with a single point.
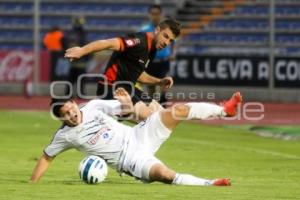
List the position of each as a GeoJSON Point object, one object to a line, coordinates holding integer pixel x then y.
{"type": "Point", "coordinates": [226, 45]}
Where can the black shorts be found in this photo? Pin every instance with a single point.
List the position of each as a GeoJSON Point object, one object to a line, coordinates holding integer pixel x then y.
{"type": "Point", "coordinates": [105, 91]}
{"type": "Point", "coordinates": [158, 69]}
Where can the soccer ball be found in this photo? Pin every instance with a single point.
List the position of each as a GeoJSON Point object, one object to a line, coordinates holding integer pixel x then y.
{"type": "Point", "coordinates": [92, 170]}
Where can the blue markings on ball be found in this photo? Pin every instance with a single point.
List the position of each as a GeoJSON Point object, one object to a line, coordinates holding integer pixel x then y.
{"type": "Point", "coordinates": [97, 163]}
{"type": "Point", "coordinates": [91, 179]}
{"type": "Point", "coordinates": [86, 170]}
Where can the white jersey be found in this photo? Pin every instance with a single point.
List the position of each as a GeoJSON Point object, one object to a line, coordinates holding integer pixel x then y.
{"type": "Point", "coordinates": [126, 149]}
{"type": "Point", "coordinates": [98, 134]}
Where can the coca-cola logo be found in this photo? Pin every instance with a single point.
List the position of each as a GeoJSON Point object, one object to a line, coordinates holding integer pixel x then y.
{"type": "Point", "coordinates": [16, 66]}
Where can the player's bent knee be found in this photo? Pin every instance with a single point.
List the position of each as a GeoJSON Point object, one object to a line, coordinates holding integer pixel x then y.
{"type": "Point", "coordinates": [181, 111]}
{"type": "Point", "coordinates": [160, 172]}
{"type": "Point", "coordinates": [155, 106]}
{"type": "Point", "coordinates": [142, 111]}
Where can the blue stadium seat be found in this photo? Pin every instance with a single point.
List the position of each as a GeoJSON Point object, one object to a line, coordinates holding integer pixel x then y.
{"type": "Point", "coordinates": [87, 8]}
{"type": "Point", "coordinates": [10, 22]}
{"type": "Point", "coordinates": [15, 34]}
{"type": "Point", "coordinates": [18, 46]}
{"type": "Point", "coordinates": [293, 50]}
{"type": "Point", "coordinates": [17, 21]}
{"type": "Point", "coordinates": [254, 24]}
{"type": "Point", "coordinates": [252, 10]}
{"type": "Point", "coordinates": [287, 38]}
{"type": "Point", "coordinates": [239, 24]}
{"type": "Point", "coordinates": [98, 36]}
{"type": "Point", "coordinates": [16, 6]}
{"type": "Point", "coordinates": [55, 21]}
{"type": "Point", "coordinates": [114, 22]}
{"type": "Point", "coordinates": [263, 10]}
{"type": "Point", "coordinates": [221, 37]}
{"type": "Point", "coordinates": [219, 30]}
{"type": "Point", "coordinates": [97, 23]}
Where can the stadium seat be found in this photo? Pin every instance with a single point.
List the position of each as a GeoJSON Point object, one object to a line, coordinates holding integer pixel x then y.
{"type": "Point", "coordinates": [119, 15]}
{"type": "Point", "coordinates": [246, 26]}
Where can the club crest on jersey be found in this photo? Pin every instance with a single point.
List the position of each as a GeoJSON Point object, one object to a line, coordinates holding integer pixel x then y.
{"type": "Point", "coordinates": [103, 132]}
{"type": "Point", "coordinates": [132, 42]}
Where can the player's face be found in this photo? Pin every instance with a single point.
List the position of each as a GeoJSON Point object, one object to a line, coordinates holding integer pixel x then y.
{"type": "Point", "coordinates": [164, 38]}
{"type": "Point", "coordinates": [70, 113]}
{"type": "Point", "coordinates": [155, 15]}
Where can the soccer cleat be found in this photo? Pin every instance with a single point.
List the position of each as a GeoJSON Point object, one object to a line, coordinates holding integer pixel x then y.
{"type": "Point", "coordinates": [231, 105]}
{"type": "Point", "coordinates": [222, 182]}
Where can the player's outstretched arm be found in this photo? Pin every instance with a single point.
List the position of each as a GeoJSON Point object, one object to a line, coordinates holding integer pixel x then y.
{"type": "Point", "coordinates": [40, 168]}
{"type": "Point", "coordinates": [148, 79]}
{"type": "Point", "coordinates": [165, 82]}
{"type": "Point", "coordinates": [99, 45]}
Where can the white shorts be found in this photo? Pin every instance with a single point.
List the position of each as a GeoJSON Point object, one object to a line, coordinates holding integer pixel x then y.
{"type": "Point", "coordinates": [146, 138]}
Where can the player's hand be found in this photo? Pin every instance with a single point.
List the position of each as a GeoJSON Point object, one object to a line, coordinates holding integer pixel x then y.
{"type": "Point", "coordinates": [125, 99]}
{"type": "Point", "coordinates": [74, 53]}
{"type": "Point", "coordinates": [166, 83]}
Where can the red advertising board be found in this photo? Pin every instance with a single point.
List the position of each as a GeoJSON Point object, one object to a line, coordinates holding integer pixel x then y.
{"type": "Point", "coordinates": [17, 66]}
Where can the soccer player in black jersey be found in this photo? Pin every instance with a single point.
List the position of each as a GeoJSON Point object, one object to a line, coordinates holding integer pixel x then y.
{"type": "Point", "coordinates": [128, 62]}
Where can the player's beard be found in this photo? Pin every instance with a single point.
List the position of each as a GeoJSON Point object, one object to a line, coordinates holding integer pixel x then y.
{"type": "Point", "coordinates": [161, 46]}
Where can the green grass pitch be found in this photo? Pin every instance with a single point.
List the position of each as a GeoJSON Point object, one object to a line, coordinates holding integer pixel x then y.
{"type": "Point", "coordinates": [260, 168]}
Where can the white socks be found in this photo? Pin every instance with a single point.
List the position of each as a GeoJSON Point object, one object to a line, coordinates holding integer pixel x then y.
{"type": "Point", "coordinates": [204, 111]}
{"type": "Point", "coordinates": [186, 179]}
{"type": "Point", "coordinates": [199, 111]}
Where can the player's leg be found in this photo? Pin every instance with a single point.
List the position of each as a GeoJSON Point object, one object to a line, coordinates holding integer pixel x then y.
{"type": "Point", "coordinates": [154, 131]}
{"type": "Point", "coordinates": [142, 111]}
{"type": "Point", "coordinates": [160, 172]}
{"type": "Point", "coordinates": [155, 106]}
{"type": "Point", "coordinates": [172, 116]}
{"type": "Point", "coordinates": [144, 106]}
{"type": "Point", "coordinates": [148, 168]}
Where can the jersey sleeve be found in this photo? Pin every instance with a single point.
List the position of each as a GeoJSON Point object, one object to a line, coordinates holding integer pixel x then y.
{"type": "Point", "coordinates": [57, 145]}
{"type": "Point", "coordinates": [132, 41]}
{"type": "Point", "coordinates": [109, 107]}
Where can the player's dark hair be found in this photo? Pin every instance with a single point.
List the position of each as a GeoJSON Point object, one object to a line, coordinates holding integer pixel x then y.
{"type": "Point", "coordinates": [56, 104]}
{"type": "Point", "coordinates": [154, 6]}
{"type": "Point", "coordinates": [172, 24]}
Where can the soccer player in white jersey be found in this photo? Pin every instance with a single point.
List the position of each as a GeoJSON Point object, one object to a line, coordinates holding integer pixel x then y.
{"type": "Point", "coordinates": [127, 149]}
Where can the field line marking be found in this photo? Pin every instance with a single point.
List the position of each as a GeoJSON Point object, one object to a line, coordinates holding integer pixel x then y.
{"type": "Point", "coordinates": [255, 150]}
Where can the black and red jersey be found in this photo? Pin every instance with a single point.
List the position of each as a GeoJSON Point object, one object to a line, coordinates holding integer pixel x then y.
{"type": "Point", "coordinates": [127, 64]}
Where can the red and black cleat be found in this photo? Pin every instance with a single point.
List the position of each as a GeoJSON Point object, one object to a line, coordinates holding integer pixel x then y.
{"type": "Point", "coordinates": [222, 182]}
{"type": "Point", "coordinates": [230, 106]}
